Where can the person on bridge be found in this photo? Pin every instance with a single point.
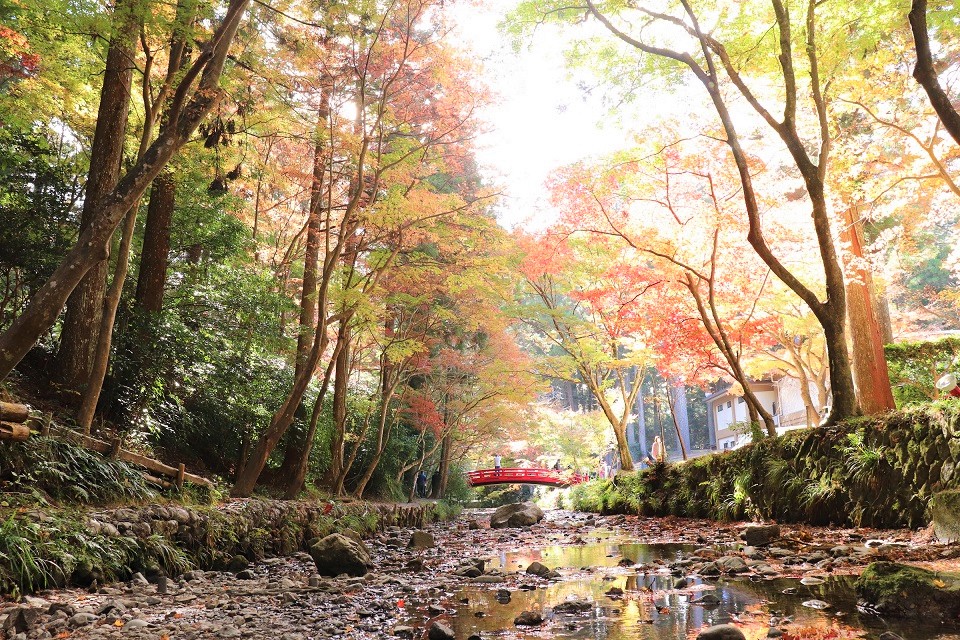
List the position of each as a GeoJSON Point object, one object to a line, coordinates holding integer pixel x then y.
{"type": "Point", "coordinates": [496, 463]}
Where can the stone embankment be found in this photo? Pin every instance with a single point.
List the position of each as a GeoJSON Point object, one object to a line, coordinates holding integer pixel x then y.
{"type": "Point", "coordinates": [876, 472]}
{"type": "Point", "coordinates": [83, 549]}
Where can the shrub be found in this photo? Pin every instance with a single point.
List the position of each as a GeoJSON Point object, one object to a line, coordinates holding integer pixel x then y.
{"type": "Point", "coordinates": [916, 366]}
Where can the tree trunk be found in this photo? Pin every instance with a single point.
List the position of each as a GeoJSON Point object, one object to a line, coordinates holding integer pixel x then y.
{"type": "Point", "coordinates": [869, 361]}
{"type": "Point", "coordinates": [85, 306]}
{"type": "Point", "coordinates": [336, 472]}
{"type": "Point", "coordinates": [813, 415]}
{"type": "Point", "coordinates": [155, 256]}
{"type": "Point", "coordinates": [675, 396]}
{"type": "Point", "coordinates": [283, 418]}
{"type": "Point", "coordinates": [111, 302]}
{"type": "Point", "coordinates": [619, 425]}
{"type": "Point", "coordinates": [882, 305]}
{"type": "Point", "coordinates": [437, 491]}
{"type": "Point", "coordinates": [383, 438]}
{"type": "Point", "coordinates": [926, 74]}
{"type": "Point", "coordinates": [296, 459]}
{"type": "Point", "coordinates": [93, 242]}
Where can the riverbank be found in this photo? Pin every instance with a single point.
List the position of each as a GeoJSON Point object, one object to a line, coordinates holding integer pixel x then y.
{"type": "Point", "coordinates": [880, 471]}
{"type": "Point", "coordinates": [640, 578]}
{"type": "Point", "coordinates": [51, 546]}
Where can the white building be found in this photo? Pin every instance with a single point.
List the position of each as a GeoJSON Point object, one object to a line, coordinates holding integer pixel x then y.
{"type": "Point", "coordinates": [727, 411]}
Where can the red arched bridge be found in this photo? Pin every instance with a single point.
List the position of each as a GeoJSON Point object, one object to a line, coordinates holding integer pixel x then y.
{"type": "Point", "coordinates": [549, 477]}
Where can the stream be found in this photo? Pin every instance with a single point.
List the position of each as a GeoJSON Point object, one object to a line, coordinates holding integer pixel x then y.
{"type": "Point", "coordinates": [617, 578]}
{"type": "Point", "coordinates": [651, 606]}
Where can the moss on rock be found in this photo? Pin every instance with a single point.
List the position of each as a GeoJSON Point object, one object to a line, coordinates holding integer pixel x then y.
{"type": "Point", "coordinates": [944, 508]}
{"type": "Point", "coordinates": [879, 471]}
{"type": "Point", "coordinates": [905, 591]}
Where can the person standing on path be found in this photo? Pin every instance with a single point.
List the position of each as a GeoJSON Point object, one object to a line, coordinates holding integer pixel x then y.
{"type": "Point", "coordinates": [658, 451]}
{"type": "Point", "coordinates": [422, 484]}
{"type": "Point", "coordinates": [496, 464]}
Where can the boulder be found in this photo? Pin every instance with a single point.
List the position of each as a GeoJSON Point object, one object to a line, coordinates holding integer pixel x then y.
{"type": "Point", "coordinates": [337, 554]}
{"type": "Point", "coordinates": [903, 591]}
{"type": "Point", "coordinates": [760, 535]}
{"type": "Point", "coordinates": [421, 540]}
{"type": "Point", "coordinates": [440, 631]}
{"type": "Point", "coordinates": [944, 509]}
{"type": "Point", "coordinates": [237, 564]}
{"type": "Point", "coordinates": [721, 632]}
{"type": "Point", "coordinates": [731, 564]}
{"type": "Point", "coordinates": [522, 514]}
{"type": "Point", "coordinates": [573, 606]}
{"type": "Point", "coordinates": [21, 620]}
{"type": "Point", "coordinates": [528, 619]}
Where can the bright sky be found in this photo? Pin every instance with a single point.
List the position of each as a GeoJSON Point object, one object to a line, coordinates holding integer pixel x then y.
{"type": "Point", "coordinates": [542, 120]}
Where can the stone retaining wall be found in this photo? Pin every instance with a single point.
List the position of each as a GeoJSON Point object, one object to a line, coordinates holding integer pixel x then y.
{"type": "Point", "coordinates": [254, 528]}
{"type": "Point", "coordinates": [61, 546]}
{"type": "Point", "coordinates": [878, 472]}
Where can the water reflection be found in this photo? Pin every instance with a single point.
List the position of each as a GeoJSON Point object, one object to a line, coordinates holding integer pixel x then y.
{"type": "Point", "coordinates": [650, 607]}
{"type": "Point", "coordinates": [608, 553]}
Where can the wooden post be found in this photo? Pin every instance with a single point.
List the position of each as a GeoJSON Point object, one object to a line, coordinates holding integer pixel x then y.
{"type": "Point", "coordinates": [115, 448]}
{"type": "Point", "coordinates": [11, 412]}
{"type": "Point", "coordinates": [181, 473]}
{"type": "Point", "coordinates": [14, 431]}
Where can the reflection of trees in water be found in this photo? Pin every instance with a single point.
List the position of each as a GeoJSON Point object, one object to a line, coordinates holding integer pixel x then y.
{"type": "Point", "coordinates": [635, 617]}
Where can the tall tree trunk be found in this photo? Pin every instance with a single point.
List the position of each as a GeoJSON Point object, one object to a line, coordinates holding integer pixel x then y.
{"type": "Point", "coordinates": [675, 396]}
{"type": "Point", "coordinates": [297, 456]}
{"type": "Point", "coordinates": [383, 438]}
{"type": "Point", "coordinates": [869, 361]}
{"type": "Point", "coordinates": [248, 475]}
{"type": "Point", "coordinates": [336, 472]}
{"type": "Point", "coordinates": [438, 491]}
{"type": "Point", "coordinates": [91, 395]}
{"type": "Point", "coordinates": [111, 302]}
{"type": "Point", "coordinates": [299, 442]}
{"type": "Point", "coordinates": [926, 74]}
{"type": "Point", "coordinates": [81, 325]}
{"type": "Point", "coordinates": [155, 256]}
{"type": "Point", "coordinates": [188, 110]}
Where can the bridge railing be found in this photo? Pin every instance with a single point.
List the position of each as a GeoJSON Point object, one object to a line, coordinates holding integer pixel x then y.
{"type": "Point", "coordinates": [521, 475]}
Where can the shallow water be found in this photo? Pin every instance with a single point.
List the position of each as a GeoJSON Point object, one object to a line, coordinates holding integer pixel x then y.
{"type": "Point", "coordinates": [650, 609]}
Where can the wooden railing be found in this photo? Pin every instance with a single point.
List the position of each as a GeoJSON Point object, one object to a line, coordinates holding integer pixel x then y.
{"type": "Point", "coordinates": [520, 475]}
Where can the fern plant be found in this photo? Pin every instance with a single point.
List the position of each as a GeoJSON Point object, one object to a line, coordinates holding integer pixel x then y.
{"type": "Point", "coordinates": [862, 462]}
